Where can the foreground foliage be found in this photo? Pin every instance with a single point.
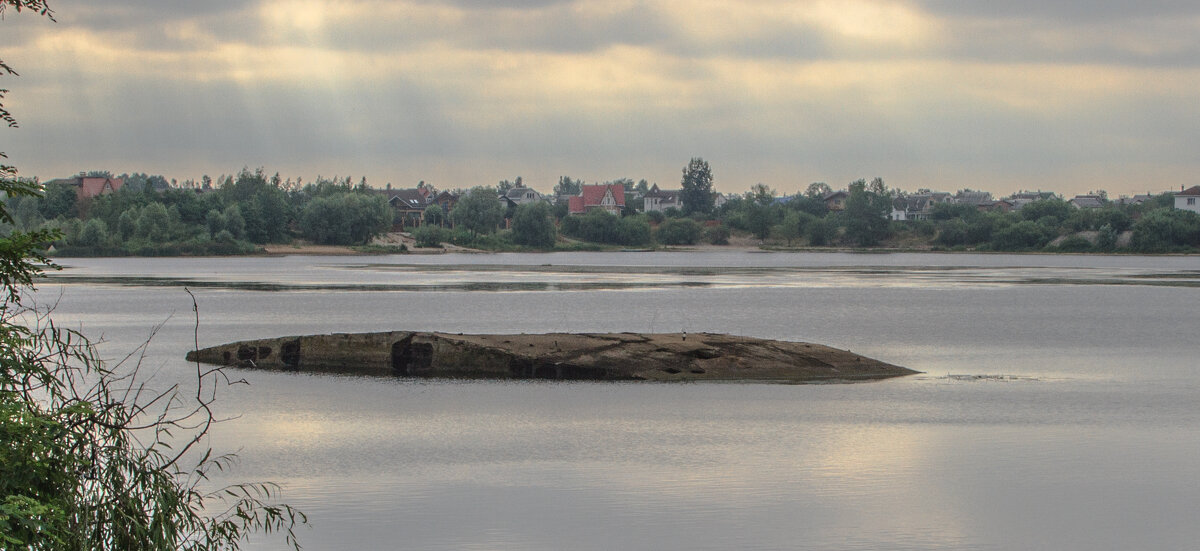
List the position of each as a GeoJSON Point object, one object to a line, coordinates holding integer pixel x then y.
{"type": "Point", "coordinates": [91, 457]}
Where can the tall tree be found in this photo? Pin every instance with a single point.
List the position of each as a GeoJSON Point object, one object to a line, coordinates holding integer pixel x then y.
{"type": "Point", "coordinates": [478, 211]}
{"type": "Point", "coordinates": [567, 186]}
{"type": "Point", "coordinates": [697, 187]}
{"type": "Point", "coordinates": [866, 213]}
{"type": "Point", "coordinates": [818, 189]}
{"type": "Point", "coordinates": [761, 193]}
{"type": "Point", "coordinates": [533, 225]}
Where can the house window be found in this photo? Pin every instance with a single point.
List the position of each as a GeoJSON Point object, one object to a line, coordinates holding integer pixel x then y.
{"type": "Point", "coordinates": [1191, 201]}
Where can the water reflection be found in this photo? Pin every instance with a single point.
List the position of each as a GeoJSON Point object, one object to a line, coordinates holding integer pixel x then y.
{"type": "Point", "coordinates": [1061, 409]}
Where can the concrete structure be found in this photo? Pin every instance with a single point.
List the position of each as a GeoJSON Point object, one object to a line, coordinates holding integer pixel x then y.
{"type": "Point", "coordinates": [602, 356]}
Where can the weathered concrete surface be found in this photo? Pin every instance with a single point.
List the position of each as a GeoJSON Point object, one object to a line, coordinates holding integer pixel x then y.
{"type": "Point", "coordinates": [586, 356]}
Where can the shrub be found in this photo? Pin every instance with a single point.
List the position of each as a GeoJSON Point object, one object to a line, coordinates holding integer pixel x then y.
{"type": "Point", "coordinates": [679, 231]}
{"type": "Point", "coordinates": [718, 235]}
{"type": "Point", "coordinates": [429, 236]}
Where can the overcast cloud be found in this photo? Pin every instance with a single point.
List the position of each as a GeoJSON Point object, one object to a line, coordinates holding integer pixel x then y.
{"type": "Point", "coordinates": [1068, 96]}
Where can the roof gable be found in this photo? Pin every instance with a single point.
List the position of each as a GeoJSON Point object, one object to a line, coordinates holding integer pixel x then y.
{"type": "Point", "coordinates": [94, 186]}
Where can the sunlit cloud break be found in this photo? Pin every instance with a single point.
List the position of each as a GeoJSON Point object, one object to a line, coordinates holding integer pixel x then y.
{"type": "Point", "coordinates": [1072, 97]}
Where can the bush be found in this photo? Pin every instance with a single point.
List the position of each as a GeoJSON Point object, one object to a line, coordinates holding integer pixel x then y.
{"type": "Point", "coordinates": [952, 233]}
{"type": "Point", "coordinates": [821, 232]}
{"type": "Point", "coordinates": [718, 235]}
{"type": "Point", "coordinates": [1165, 230]}
{"type": "Point", "coordinates": [1022, 236]}
{"type": "Point", "coordinates": [633, 231]}
{"type": "Point", "coordinates": [1075, 244]}
{"type": "Point", "coordinates": [679, 231]}
{"type": "Point", "coordinates": [429, 236]}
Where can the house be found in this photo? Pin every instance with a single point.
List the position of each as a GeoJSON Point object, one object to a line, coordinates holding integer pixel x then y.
{"type": "Point", "coordinates": [446, 200]}
{"type": "Point", "coordinates": [1135, 200]}
{"type": "Point", "coordinates": [1001, 205]}
{"type": "Point", "coordinates": [1087, 202]}
{"type": "Point", "coordinates": [409, 204]}
{"type": "Point", "coordinates": [660, 200]}
{"type": "Point", "coordinates": [1187, 199]}
{"type": "Point", "coordinates": [974, 198]}
{"type": "Point", "coordinates": [836, 200]}
{"type": "Point", "coordinates": [1023, 198]}
{"type": "Point", "coordinates": [918, 206]}
{"type": "Point", "coordinates": [522, 195]}
{"type": "Point", "coordinates": [610, 197]}
{"type": "Point", "coordinates": [87, 187]}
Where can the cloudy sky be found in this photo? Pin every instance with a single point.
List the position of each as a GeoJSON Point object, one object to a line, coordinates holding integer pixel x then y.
{"type": "Point", "coordinates": [1068, 96]}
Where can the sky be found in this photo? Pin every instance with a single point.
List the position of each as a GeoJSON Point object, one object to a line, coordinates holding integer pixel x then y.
{"type": "Point", "coordinates": [1069, 96]}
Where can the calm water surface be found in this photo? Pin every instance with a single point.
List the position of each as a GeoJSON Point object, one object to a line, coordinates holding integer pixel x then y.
{"type": "Point", "coordinates": [1059, 409]}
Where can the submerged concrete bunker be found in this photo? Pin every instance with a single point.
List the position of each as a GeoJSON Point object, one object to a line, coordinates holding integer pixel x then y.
{"type": "Point", "coordinates": [569, 356]}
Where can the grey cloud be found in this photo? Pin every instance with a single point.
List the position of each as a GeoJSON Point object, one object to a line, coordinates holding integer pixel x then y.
{"type": "Point", "coordinates": [1066, 10]}
{"type": "Point", "coordinates": [118, 15]}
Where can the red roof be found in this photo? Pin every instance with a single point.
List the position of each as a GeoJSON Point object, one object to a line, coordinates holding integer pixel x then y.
{"type": "Point", "coordinates": [1194, 190]}
{"type": "Point", "coordinates": [94, 186]}
{"type": "Point", "coordinates": [591, 196]}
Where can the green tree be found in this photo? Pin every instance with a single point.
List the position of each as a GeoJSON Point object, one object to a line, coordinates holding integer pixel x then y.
{"type": "Point", "coordinates": [153, 222]}
{"type": "Point", "coordinates": [759, 218]}
{"type": "Point", "coordinates": [59, 200]}
{"type": "Point", "coordinates": [866, 212]}
{"type": "Point", "coordinates": [434, 215]}
{"type": "Point", "coordinates": [478, 211]}
{"type": "Point", "coordinates": [533, 226]}
{"type": "Point", "coordinates": [214, 221]}
{"type": "Point", "coordinates": [1164, 230]}
{"type": "Point", "coordinates": [697, 187]}
{"type": "Point", "coordinates": [94, 233]}
{"type": "Point", "coordinates": [1106, 238]}
{"type": "Point", "coordinates": [792, 226]}
{"type": "Point", "coordinates": [127, 225]}
{"type": "Point", "coordinates": [818, 190]}
{"type": "Point", "coordinates": [347, 219]}
{"type": "Point", "coordinates": [821, 232]}
{"type": "Point", "coordinates": [567, 186]}
{"type": "Point", "coordinates": [1058, 209]}
{"type": "Point", "coordinates": [761, 193]}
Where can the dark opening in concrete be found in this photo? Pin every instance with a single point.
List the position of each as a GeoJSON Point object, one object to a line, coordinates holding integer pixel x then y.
{"type": "Point", "coordinates": [409, 358]}
{"type": "Point", "coordinates": [289, 353]}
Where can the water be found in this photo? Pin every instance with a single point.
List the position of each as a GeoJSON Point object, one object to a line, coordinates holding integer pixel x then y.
{"type": "Point", "coordinates": [1058, 409]}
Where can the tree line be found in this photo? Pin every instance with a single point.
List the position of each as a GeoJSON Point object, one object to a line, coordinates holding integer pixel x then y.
{"type": "Point", "coordinates": [232, 216]}
{"type": "Point", "coordinates": [1049, 224]}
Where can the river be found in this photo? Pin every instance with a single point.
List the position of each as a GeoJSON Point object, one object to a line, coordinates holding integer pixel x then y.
{"type": "Point", "coordinates": [1059, 407]}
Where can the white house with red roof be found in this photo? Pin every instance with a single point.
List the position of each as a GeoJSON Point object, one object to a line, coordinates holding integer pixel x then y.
{"type": "Point", "coordinates": [1188, 199]}
{"type": "Point", "coordinates": [610, 197]}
